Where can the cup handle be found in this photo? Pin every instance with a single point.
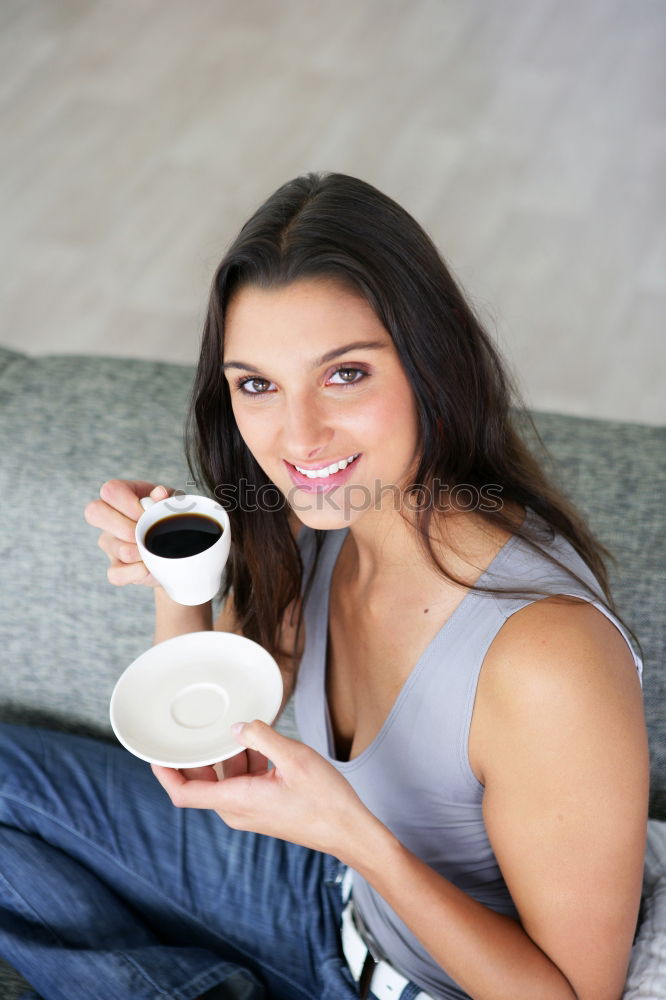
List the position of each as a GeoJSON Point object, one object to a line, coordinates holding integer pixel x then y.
{"type": "Point", "coordinates": [146, 502]}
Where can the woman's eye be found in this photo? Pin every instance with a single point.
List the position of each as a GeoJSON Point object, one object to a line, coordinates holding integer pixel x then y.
{"type": "Point", "coordinates": [254, 386]}
{"type": "Point", "coordinates": [347, 376]}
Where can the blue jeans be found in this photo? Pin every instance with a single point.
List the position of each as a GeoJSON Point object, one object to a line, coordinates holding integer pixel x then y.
{"type": "Point", "coordinates": [108, 891]}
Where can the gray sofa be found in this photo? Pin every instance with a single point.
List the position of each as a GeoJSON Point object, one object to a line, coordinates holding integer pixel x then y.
{"type": "Point", "coordinates": [68, 423]}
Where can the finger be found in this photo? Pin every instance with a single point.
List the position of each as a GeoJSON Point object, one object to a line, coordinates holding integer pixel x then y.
{"type": "Point", "coordinates": [199, 773]}
{"type": "Point", "coordinates": [233, 766]}
{"type": "Point", "coordinates": [117, 550]}
{"type": "Point", "coordinates": [102, 515]}
{"type": "Point", "coordinates": [219, 795]}
{"type": "Point", "coordinates": [160, 493]}
{"type": "Point", "coordinates": [273, 745]}
{"type": "Point", "coordinates": [257, 762]}
{"type": "Point", "coordinates": [120, 574]}
{"type": "Point", "coordinates": [124, 495]}
{"type": "Point", "coordinates": [245, 762]}
{"type": "Point", "coordinates": [169, 778]}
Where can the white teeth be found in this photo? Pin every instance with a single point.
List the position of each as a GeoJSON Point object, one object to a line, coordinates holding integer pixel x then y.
{"type": "Point", "coordinates": [326, 471]}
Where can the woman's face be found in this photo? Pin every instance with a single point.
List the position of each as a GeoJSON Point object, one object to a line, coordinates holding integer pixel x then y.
{"type": "Point", "coordinates": [321, 399]}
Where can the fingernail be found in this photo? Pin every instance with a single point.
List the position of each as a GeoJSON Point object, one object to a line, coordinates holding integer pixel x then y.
{"type": "Point", "coordinates": [237, 728]}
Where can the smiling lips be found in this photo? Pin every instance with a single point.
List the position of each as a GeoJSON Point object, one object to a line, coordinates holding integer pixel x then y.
{"type": "Point", "coordinates": [326, 470]}
{"type": "Point", "coordinates": [324, 477]}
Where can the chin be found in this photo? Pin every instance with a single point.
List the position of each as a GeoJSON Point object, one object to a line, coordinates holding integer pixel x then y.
{"type": "Point", "coordinates": [322, 511]}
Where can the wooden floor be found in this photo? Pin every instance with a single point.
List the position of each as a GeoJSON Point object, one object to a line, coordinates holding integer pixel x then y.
{"type": "Point", "coordinates": [528, 136]}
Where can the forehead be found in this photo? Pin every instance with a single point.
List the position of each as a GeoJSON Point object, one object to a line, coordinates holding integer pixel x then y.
{"type": "Point", "coordinates": [300, 317]}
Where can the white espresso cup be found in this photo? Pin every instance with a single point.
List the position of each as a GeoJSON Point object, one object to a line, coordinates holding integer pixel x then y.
{"type": "Point", "coordinates": [187, 579]}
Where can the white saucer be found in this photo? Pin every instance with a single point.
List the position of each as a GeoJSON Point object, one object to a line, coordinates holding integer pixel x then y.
{"type": "Point", "coordinates": [176, 703]}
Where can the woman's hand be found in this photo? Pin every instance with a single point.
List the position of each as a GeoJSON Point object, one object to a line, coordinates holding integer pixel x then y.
{"type": "Point", "coordinates": [116, 513]}
{"type": "Point", "coordinates": [303, 799]}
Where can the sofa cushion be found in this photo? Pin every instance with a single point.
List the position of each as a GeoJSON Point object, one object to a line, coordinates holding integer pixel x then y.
{"type": "Point", "coordinates": [646, 978]}
{"type": "Point", "coordinates": [67, 424]}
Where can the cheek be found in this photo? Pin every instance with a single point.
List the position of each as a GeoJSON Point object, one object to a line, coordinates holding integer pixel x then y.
{"type": "Point", "coordinates": [393, 422]}
{"type": "Point", "coordinates": [252, 428]}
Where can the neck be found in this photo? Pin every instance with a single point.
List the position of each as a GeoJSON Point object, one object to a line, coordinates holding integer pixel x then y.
{"type": "Point", "coordinates": [387, 550]}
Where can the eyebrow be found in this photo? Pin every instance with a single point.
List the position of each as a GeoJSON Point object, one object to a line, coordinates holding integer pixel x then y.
{"type": "Point", "coordinates": [357, 345]}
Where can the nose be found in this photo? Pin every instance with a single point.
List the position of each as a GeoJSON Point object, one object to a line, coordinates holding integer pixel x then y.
{"type": "Point", "coordinates": [307, 431]}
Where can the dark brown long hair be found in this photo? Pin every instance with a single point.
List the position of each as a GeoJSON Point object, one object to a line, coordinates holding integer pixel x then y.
{"type": "Point", "coordinates": [335, 226]}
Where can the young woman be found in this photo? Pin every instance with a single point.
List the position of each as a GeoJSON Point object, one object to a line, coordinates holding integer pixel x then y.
{"type": "Point", "coordinates": [466, 814]}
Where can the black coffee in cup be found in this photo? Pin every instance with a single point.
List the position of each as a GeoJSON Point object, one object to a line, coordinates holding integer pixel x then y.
{"type": "Point", "coordinates": [182, 535]}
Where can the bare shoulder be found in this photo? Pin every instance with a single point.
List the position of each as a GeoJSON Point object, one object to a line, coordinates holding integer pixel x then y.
{"type": "Point", "coordinates": [559, 743]}
{"type": "Point", "coordinates": [558, 664]}
{"type": "Point", "coordinates": [556, 641]}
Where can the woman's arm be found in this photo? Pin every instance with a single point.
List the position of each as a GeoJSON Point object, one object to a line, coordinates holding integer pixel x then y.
{"type": "Point", "coordinates": [560, 740]}
{"type": "Point", "coordinates": [172, 619]}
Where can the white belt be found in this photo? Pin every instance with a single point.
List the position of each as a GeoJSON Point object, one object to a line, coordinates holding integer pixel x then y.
{"type": "Point", "coordinates": [386, 983]}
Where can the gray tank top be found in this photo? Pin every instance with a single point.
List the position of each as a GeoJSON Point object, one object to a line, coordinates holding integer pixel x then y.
{"type": "Point", "coordinates": [435, 811]}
